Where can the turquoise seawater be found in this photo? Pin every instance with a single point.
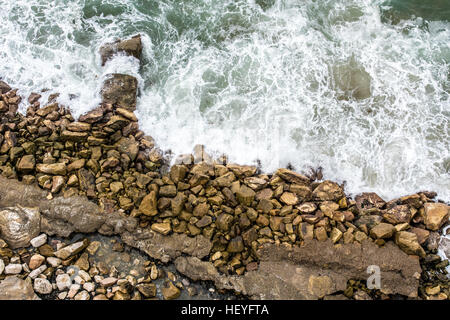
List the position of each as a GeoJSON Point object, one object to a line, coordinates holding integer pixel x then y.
{"type": "Point", "coordinates": [359, 87]}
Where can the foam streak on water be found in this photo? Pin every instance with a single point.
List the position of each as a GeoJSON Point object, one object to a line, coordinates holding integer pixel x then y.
{"type": "Point", "coordinates": [349, 85]}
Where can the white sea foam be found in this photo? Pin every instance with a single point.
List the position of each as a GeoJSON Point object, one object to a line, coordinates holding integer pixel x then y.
{"type": "Point", "coordinates": [311, 83]}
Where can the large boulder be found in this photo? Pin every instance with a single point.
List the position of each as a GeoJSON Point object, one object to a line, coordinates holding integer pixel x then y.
{"type": "Point", "coordinates": [131, 47]}
{"type": "Point", "coordinates": [313, 271]}
{"type": "Point", "coordinates": [120, 89]}
{"type": "Point", "coordinates": [14, 288]}
{"type": "Point", "coordinates": [18, 225]}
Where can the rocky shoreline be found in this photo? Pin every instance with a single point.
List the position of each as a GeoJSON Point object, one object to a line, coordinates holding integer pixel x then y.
{"type": "Point", "coordinates": [262, 236]}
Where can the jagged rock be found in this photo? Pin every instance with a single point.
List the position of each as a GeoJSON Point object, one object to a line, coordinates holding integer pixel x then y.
{"type": "Point", "coordinates": [13, 288]}
{"type": "Point", "coordinates": [149, 205]}
{"type": "Point", "coordinates": [289, 198]}
{"type": "Point", "coordinates": [170, 292]}
{"type": "Point", "coordinates": [328, 191]}
{"type": "Point", "coordinates": [131, 47]}
{"type": "Point", "coordinates": [73, 136]}
{"type": "Point", "coordinates": [436, 214]}
{"type": "Point", "coordinates": [71, 249]}
{"type": "Point", "coordinates": [52, 168]}
{"type": "Point", "coordinates": [18, 225]}
{"type": "Point", "coordinates": [398, 214]}
{"type": "Point", "coordinates": [76, 165]}
{"type": "Point", "coordinates": [120, 89]}
{"type": "Point", "coordinates": [236, 245]}
{"type": "Point", "coordinates": [79, 126]}
{"type": "Point", "coordinates": [312, 271]}
{"type": "Point", "coordinates": [245, 195]}
{"type": "Point", "coordinates": [382, 231]}
{"type": "Point", "coordinates": [292, 177]}
{"type": "Point", "coordinates": [4, 87]}
{"type": "Point", "coordinates": [169, 247]}
{"type": "Point", "coordinates": [26, 164]}
{"type": "Point", "coordinates": [369, 200]}
{"type": "Point", "coordinates": [408, 242]}
{"type": "Point", "coordinates": [42, 286]}
{"type": "Point", "coordinates": [148, 290]}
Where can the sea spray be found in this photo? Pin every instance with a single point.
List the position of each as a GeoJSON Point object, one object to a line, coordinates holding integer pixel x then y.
{"type": "Point", "coordinates": [337, 84]}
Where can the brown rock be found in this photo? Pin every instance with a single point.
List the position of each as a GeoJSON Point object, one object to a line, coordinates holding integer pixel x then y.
{"type": "Point", "coordinates": [407, 241]}
{"type": "Point", "coordinates": [120, 89]}
{"type": "Point", "coordinates": [201, 209]}
{"type": "Point", "coordinates": [224, 222]}
{"type": "Point", "coordinates": [178, 173]}
{"type": "Point", "coordinates": [18, 225]}
{"type": "Point", "coordinates": [245, 195]}
{"type": "Point", "coordinates": [382, 231]}
{"type": "Point", "coordinates": [328, 191]}
{"type": "Point", "coordinates": [236, 245]}
{"type": "Point", "coordinates": [131, 47]}
{"type": "Point", "coordinates": [289, 198]}
{"type": "Point", "coordinates": [369, 200]}
{"type": "Point", "coordinates": [149, 204]}
{"type": "Point", "coordinates": [398, 214]}
{"type": "Point", "coordinates": [292, 177]}
{"type": "Point", "coordinates": [148, 290]}
{"type": "Point", "coordinates": [162, 228]}
{"type": "Point", "coordinates": [73, 136]}
{"type": "Point", "coordinates": [79, 126]}
{"type": "Point", "coordinates": [422, 234]}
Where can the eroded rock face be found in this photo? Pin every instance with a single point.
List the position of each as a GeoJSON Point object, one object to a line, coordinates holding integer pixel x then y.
{"type": "Point", "coordinates": [131, 47]}
{"type": "Point", "coordinates": [313, 271]}
{"type": "Point", "coordinates": [14, 288]}
{"type": "Point", "coordinates": [18, 225]}
{"type": "Point", "coordinates": [120, 89]}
